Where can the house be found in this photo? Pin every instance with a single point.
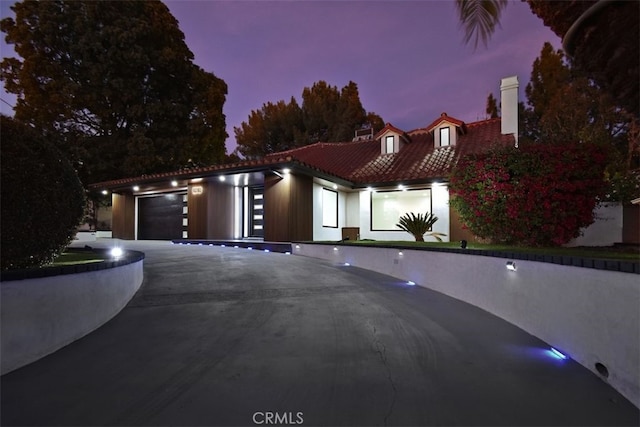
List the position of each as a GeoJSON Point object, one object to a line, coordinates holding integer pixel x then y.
{"type": "Point", "coordinates": [321, 191]}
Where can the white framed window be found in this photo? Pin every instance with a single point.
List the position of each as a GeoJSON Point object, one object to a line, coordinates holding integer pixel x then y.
{"type": "Point", "coordinates": [445, 137]}
{"type": "Point", "coordinates": [388, 144]}
{"type": "Point", "coordinates": [388, 206]}
{"type": "Point", "coordinates": [329, 208]}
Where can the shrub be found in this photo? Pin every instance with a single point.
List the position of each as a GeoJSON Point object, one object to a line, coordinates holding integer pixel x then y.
{"type": "Point", "coordinates": [42, 199]}
{"type": "Point", "coordinates": [418, 225]}
{"type": "Point", "coordinates": [537, 195]}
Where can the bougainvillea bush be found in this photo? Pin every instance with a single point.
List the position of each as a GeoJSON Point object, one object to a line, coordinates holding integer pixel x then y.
{"type": "Point", "coordinates": [536, 195]}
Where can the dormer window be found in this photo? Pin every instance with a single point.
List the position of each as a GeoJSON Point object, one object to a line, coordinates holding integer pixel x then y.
{"type": "Point", "coordinates": [388, 144]}
{"type": "Point", "coordinates": [445, 137]}
{"type": "Point", "coordinates": [391, 139]}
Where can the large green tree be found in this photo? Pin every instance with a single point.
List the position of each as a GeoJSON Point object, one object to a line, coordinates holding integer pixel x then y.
{"type": "Point", "coordinates": [326, 115]}
{"type": "Point", "coordinates": [114, 85]}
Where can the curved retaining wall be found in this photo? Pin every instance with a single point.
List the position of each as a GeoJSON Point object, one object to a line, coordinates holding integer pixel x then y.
{"type": "Point", "coordinates": [42, 315]}
{"type": "Point", "coordinates": [590, 314]}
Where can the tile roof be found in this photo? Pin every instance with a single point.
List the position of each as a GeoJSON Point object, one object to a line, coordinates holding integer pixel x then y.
{"type": "Point", "coordinates": [360, 162]}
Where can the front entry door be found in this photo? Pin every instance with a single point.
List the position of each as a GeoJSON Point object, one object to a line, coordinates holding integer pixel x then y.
{"type": "Point", "coordinates": [256, 212]}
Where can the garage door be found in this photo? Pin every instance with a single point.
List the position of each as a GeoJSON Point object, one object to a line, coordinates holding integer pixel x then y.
{"type": "Point", "coordinates": [161, 217]}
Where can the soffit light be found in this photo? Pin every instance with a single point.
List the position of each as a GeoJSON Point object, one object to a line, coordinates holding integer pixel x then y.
{"type": "Point", "coordinates": [105, 192]}
{"type": "Point", "coordinates": [174, 183]}
{"type": "Point", "coordinates": [136, 188]}
{"type": "Point", "coordinates": [286, 171]}
{"type": "Point", "coordinates": [222, 178]}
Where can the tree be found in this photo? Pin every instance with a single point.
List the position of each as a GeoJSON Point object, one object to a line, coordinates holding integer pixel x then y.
{"type": "Point", "coordinates": [602, 37]}
{"type": "Point", "coordinates": [42, 199]}
{"type": "Point", "coordinates": [114, 85]}
{"type": "Point", "coordinates": [326, 115]}
{"type": "Point", "coordinates": [492, 107]}
{"type": "Point", "coordinates": [536, 195]}
{"type": "Point", "coordinates": [563, 106]}
{"type": "Point", "coordinates": [275, 127]}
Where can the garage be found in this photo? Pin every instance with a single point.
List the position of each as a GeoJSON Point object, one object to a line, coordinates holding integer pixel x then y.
{"type": "Point", "coordinates": [161, 217]}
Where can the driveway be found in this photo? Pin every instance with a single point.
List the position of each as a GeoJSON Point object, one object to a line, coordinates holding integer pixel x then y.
{"type": "Point", "coordinates": [224, 336]}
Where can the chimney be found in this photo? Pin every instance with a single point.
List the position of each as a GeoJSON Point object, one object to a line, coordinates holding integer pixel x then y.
{"type": "Point", "coordinates": [509, 106]}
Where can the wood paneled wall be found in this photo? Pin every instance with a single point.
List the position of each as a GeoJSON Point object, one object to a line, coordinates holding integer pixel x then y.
{"type": "Point", "coordinates": [197, 211]}
{"type": "Point", "coordinates": [123, 216]}
{"type": "Point", "coordinates": [288, 204]}
{"type": "Point", "coordinates": [220, 211]}
{"type": "Point", "coordinates": [210, 213]}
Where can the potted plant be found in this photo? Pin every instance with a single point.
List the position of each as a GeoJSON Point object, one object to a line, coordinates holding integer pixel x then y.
{"type": "Point", "coordinates": [418, 225]}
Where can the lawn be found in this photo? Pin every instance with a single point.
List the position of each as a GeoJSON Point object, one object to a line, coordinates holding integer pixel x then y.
{"type": "Point", "coordinates": [74, 258]}
{"type": "Point", "coordinates": [621, 253]}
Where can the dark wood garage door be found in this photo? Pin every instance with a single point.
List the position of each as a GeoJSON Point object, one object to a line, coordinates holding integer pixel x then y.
{"type": "Point", "coordinates": [160, 217]}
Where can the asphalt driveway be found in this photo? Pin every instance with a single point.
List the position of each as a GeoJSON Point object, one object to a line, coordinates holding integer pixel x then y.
{"type": "Point", "coordinates": [225, 336]}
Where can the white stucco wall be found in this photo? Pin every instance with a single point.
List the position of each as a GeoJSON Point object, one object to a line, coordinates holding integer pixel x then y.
{"type": "Point", "coordinates": [40, 316]}
{"type": "Point", "coordinates": [328, 233]}
{"type": "Point", "coordinates": [591, 315]}
{"type": "Point", "coordinates": [606, 229]}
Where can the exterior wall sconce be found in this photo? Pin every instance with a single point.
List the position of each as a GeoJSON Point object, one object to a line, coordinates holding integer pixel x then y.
{"type": "Point", "coordinates": [511, 265]}
{"type": "Point", "coordinates": [335, 248]}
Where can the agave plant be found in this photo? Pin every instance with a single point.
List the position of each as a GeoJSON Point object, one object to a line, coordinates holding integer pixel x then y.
{"type": "Point", "coordinates": [418, 225]}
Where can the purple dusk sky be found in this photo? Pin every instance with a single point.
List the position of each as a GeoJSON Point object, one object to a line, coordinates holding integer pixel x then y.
{"type": "Point", "coordinates": [407, 57]}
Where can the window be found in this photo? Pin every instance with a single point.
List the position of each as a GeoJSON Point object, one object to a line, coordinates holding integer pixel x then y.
{"type": "Point", "coordinates": [388, 206]}
{"type": "Point", "coordinates": [329, 208]}
{"type": "Point", "coordinates": [388, 143]}
{"type": "Point", "coordinates": [444, 137]}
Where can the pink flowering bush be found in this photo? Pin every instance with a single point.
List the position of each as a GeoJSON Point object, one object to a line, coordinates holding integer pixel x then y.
{"type": "Point", "coordinates": [536, 195]}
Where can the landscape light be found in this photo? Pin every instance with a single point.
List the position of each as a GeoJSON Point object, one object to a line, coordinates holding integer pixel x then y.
{"type": "Point", "coordinates": [250, 248]}
{"type": "Point", "coordinates": [235, 246]}
{"type": "Point", "coordinates": [116, 252]}
{"type": "Point", "coordinates": [347, 264]}
{"type": "Point", "coordinates": [210, 244]}
{"type": "Point", "coordinates": [297, 246]}
{"type": "Point", "coordinates": [400, 253]}
{"type": "Point", "coordinates": [287, 253]}
{"type": "Point", "coordinates": [335, 248]}
{"type": "Point", "coordinates": [463, 244]}
{"type": "Point", "coordinates": [223, 246]}
{"type": "Point", "coordinates": [266, 250]}
{"type": "Point", "coordinates": [511, 265]}
{"type": "Point", "coordinates": [411, 283]}
{"type": "Point", "coordinates": [558, 354]}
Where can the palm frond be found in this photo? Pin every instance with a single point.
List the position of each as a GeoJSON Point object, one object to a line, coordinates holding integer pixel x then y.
{"type": "Point", "coordinates": [479, 18]}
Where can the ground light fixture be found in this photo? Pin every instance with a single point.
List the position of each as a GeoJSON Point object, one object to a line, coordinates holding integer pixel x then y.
{"type": "Point", "coordinates": [347, 264]}
{"type": "Point", "coordinates": [558, 354]}
{"type": "Point", "coordinates": [511, 265]}
{"type": "Point", "coordinates": [116, 252]}
{"type": "Point", "coordinates": [411, 283]}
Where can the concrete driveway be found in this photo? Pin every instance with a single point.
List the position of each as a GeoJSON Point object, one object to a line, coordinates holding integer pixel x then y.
{"type": "Point", "coordinates": [224, 336]}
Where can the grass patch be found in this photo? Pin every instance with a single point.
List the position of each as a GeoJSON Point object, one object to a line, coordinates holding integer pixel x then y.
{"type": "Point", "coordinates": [74, 258]}
{"type": "Point", "coordinates": [607, 253]}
